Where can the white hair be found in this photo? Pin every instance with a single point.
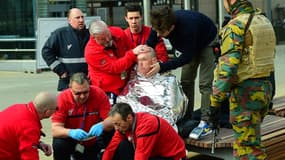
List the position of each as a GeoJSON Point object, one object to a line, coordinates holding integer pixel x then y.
{"type": "Point", "coordinates": [97, 26]}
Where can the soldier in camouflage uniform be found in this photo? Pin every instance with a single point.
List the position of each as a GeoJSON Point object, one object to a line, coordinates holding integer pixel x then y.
{"type": "Point", "coordinates": [242, 73]}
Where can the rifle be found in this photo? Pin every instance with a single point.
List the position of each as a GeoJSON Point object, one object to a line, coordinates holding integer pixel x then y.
{"type": "Point", "coordinates": [214, 140]}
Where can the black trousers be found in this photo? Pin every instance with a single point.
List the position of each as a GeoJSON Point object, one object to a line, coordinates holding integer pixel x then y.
{"type": "Point", "coordinates": [64, 148]}
{"type": "Point", "coordinates": [125, 151]}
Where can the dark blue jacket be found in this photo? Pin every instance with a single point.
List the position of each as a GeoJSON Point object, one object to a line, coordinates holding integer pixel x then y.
{"type": "Point", "coordinates": [193, 32]}
{"type": "Point", "coordinates": [64, 52]}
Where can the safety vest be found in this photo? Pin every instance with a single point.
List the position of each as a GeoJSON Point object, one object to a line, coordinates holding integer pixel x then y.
{"type": "Point", "coordinates": [257, 59]}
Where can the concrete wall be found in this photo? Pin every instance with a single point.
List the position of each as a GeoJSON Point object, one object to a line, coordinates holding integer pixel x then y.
{"type": "Point", "coordinates": [28, 66]}
{"type": "Point", "coordinates": [209, 8]}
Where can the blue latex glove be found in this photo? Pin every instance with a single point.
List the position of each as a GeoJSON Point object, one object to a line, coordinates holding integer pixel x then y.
{"type": "Point", "coordinates": [77, 134]}
{"type": "Point", "coordinates": [96, 130]}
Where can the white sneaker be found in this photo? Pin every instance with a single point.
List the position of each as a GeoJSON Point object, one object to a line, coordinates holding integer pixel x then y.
{"type": "Point", "coordinates": [200, 131]}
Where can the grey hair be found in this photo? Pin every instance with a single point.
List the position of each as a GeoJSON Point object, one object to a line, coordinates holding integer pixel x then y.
{"type": "Point", "coordinates": [44, 101]}
{"type": "Point", "coordinates": [79, 78]}
{"type": "Point", "coordinates": [97, 26]}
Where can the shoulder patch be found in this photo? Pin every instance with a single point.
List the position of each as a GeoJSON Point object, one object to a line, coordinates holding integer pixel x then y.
{"type": "Point", "coordinates": [103, 61]}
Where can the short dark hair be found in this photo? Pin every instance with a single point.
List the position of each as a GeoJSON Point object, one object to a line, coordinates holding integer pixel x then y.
{"type": "Point", "coordinates": [162, 19]}
{"type": "Point", "coordinates": [133, 8]}
{"type": "Point", "coordinates": [123, 109]}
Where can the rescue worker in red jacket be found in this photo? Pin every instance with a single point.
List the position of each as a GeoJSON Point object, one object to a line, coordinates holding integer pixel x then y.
{"type": "Point", "coordinates": [142, 136]}
{"type": "Point", "coordinates": [77, 126]}
{"type": "Point", "coordinates": [110, 57]}
{"type": "Point", "coordinates": [139, 33]}
{"type": "Point", "coordinates": [20, 128]}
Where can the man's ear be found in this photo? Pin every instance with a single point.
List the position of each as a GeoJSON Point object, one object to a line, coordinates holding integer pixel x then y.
{"type": "Point", "coordinates": [126, 18]}
{"type": "Point", "coordinates": [154, 60]}
{"type": "Point", "coordinates": [129, 118]}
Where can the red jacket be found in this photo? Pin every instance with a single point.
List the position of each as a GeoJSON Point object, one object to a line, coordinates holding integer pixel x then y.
{"type": "Point", "coordinates": [153, 137]}
{"type": "Point", "coordinates": [20, 132]}
{"type": "Point", "coordinates": [72, 114]}
{"type": "Point", "coordinates": [106, 66]}
{"type": "Point", "coordinates": [141, 38]}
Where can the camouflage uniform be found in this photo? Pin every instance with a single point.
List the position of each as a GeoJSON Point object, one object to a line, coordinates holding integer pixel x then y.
{"type": "Point", "coordinates": [249, 99]}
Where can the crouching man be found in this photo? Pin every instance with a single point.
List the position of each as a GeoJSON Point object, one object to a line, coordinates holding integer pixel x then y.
{"type": "Point", "coordinates": [142, 136]}
{"type": "Point", "coordinates": [80, 127]}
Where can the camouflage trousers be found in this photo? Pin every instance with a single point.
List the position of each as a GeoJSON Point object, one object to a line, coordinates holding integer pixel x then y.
{"type": "Point", "coordinates": [249, 104]}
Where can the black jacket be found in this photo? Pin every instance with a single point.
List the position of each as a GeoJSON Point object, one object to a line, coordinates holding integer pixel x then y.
{"type": "Point", "coordinates": [64, 52]}
{"type": "Point", "coordinates": [193, 32]}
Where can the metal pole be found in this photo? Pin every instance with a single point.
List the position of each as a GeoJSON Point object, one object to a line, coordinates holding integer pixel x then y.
{"type": "Point", "coordinates": [187, 5]}
{"type": "Point", "coordinates": [269, 10]}
{"type": "Point", "coordinates": [146, 9]}
{"type": "Point", "coordinates": [221, 12]}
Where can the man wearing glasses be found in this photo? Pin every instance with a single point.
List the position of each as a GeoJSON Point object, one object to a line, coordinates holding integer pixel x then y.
{"type": "Point", "coordinates": [79, 123]}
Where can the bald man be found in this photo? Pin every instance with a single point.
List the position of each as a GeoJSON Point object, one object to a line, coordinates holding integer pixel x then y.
{"type": "Point", "coordinates": [64, 50]}
{"type": "Point", "coordinates": [160, 94]}
{"type": "Point", "coordinates": [20, 128]}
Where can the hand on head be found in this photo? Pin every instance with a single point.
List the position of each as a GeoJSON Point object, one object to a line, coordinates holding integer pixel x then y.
{"type": "Point", "coordinates": [155, 68]}
{"type": "Point", "coordinates": [141, 49]}
{"type": "Point", "coordinates": [145, 61]}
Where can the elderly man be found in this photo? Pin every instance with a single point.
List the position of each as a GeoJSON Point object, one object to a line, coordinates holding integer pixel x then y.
{"type": "Point", "coordinates": [110, 57]}
{"type": "Point", "coordinates": [20, 128]}
{"type": "Point", "coordinates": [160, 94]}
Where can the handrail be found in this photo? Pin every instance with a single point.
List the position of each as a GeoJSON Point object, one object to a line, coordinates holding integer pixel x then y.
{"type": "Point", "coordinates": [17, 50]}
{"type": "Point", "coordinates": [17, 39]}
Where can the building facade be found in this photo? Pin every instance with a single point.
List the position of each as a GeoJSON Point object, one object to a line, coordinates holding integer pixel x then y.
{"type": "Point", "coordinates": [18, 19]}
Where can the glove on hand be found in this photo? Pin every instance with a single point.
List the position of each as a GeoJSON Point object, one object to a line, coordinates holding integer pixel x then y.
{"type": "Point", "coordinates": [96, 130]}
{"type": "Point", "coordinates": [77, 134]}
{"type": "Point", "coordinates": [213, 114]}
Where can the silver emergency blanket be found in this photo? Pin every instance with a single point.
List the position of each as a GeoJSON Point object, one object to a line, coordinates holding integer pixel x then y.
{"type": "Point", "coordinates": [160, 95]}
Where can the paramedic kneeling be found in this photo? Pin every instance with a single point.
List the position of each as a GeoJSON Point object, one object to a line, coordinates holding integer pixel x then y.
{"type": "Point", "coordinates": [80, 127]}
{"type": "Point", "coordinates": [142, 136]}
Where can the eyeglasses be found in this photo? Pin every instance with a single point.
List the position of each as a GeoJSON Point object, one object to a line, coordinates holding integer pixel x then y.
{"type": "Point", "coordinates": [79, 93]}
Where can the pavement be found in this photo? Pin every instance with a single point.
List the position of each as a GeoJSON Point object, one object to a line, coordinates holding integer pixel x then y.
{"type": "Point", "coordinates": [20, 87]}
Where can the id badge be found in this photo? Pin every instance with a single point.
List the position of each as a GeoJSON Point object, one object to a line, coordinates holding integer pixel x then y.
{"type": "Point", "coordinates": [80, 148]}
{"type": "Point", "coordinates": [124, 75]}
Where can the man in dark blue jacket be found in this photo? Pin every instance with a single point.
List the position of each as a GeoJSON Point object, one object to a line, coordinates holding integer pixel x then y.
{"type": "Point", "coordinates": [190, 33]}
{"type": "Point", "coordinates": [64, 50]}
